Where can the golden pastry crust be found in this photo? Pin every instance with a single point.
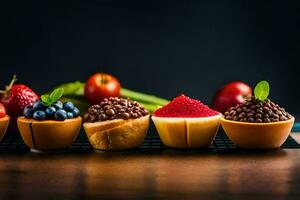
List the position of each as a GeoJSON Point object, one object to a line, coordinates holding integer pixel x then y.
{"type": "Point", "coordinates": [117, 134]}
{"type": "Point", "coordinates": [3, 126]}
{"type": "Point", "coordinates": [258, 135]}
{"type": "Point", "coordinates": [187, 132]}
{"type": "Point", "coordinates": [49, 134]}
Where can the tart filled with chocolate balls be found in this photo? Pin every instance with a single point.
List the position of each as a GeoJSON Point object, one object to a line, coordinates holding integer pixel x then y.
{"type": "Point", "coordinates": [257, 109]}
{"type": "Point", "coordinates": [116, 124]}
{"type": "Point", "coordinates": [258, 123]}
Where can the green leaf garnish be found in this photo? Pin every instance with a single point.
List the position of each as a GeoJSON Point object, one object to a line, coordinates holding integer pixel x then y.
{"type": "Point", "coordinates": [55, 95]}
{"type": "Point", "coordinates": [45, 98]}
{"type": "Point", "coordinates": [262, 90]}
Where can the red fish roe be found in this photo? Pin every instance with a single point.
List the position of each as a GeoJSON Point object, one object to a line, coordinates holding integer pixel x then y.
{"type": "Point", "coordinates": [183, 106]}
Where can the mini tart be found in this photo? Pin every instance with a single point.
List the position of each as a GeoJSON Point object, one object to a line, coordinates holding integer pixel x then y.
{"type": "Point", "coordinates": [187, 132]}
{"type": "Point", "coordinates": [117, 134]}
{"type": "Point", "coordinates": [249, 135]}
{"type": "Point", "coordinates": [49, 135]}
{"type": "Point", "coordinates": [3, 126]}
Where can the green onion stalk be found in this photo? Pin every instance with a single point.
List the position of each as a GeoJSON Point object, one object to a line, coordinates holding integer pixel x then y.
{"type": "Point", "coordinates": [74, 92]}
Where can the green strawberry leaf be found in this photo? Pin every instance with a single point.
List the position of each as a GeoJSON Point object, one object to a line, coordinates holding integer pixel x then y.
{"type": "Point", "coordinates": [262, 90]}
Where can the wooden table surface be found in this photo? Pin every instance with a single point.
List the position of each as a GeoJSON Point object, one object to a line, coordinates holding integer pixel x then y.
{"type": "Point", "coordinates": [161, 175]}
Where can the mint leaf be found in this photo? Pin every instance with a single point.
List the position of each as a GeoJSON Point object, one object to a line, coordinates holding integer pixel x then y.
{"type": "Point", "coordinates": [261, 90]}
{"type": "Point", "coordinates": [46, 99]}
{"type": "Point", "coordinates": [56, 94]}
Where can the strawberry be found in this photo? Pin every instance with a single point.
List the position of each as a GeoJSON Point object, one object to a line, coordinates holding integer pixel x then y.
{"type": "Point", "coordinates": [16, 97]}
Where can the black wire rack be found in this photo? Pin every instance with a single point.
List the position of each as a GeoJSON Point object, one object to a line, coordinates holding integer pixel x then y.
{"type": "Point", "coordinates": [152, 142]}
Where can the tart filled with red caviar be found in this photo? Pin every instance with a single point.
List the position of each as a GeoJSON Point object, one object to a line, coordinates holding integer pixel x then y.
{"type": "Point", "coordinates": [186, 123]}
{"type": "Point", "coordinates": [258, 123]}
{"type": "Point", "coordinates": [4, 121]}
{"type": "Point", "coordinates": [116, 124]}
{"type": "Point", "coordinates": [50, 125]}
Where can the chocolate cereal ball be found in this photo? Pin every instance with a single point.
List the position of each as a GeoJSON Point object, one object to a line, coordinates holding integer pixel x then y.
{"type": "Point", "coordinates": [256, 111]}
{"type": "Point", "coordinates": [115, 108]}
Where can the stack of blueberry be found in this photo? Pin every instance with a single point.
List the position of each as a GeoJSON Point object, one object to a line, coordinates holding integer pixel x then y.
{"type": "Point", "coordinates": [58, 111]}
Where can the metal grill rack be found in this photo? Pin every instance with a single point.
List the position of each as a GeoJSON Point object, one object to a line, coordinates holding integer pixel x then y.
{"type": "Point", "coordinates": [221, 143]}
{"type": "Point", "coordinates": [152, 142]}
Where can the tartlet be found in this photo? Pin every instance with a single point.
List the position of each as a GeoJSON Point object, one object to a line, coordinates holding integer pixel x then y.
{"type": "Point", "coordinates": [186, 123]}
{"type": "Point", "coordinates": [3, 126]}
{"type": "Point", "coordinates": [49, 135]}
{"type": "Point", "coordinates": [187, 132]}
{"type": "Point", "coordinates": [117, 134]}
{"type": "Point", "coordinates": [258, 135]}
{"type": "Point", "coordinates": [116, 124]}
{"type": "Point", "coordinates": [257, 124]}
{"type": "Point", "coordinates": [49, 124]}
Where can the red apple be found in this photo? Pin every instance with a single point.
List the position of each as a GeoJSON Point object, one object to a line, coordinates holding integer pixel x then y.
{"type": "Point", "coordinates": [230, 95]}
{"type": "Point", "coordinates": [100, 86]}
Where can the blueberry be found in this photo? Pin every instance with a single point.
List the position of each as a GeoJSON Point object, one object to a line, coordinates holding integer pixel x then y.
{"type": "Point", "coordinates": [68, 106]}
{"type": "Point", "coordinates": [69, 115]}
{"type": "Point", "coordinates": [39, 115]}
{"type": "Point", "coordinates": [75, 112]}
{"type": "Point", "coordinates": [60, 115]}
{"type": "Point", "coordinates": [50, 111]}
{"type": "Point", "coordinates": [58, 105]}
{"type": "Point", "coordinates": [38, 105]}
{"type": "Point", "coordinates": [28, 111]}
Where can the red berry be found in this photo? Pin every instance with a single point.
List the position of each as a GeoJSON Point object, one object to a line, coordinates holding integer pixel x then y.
{"type": "Point", "coordinates": [2, 111]}
{"type": "Point", "coordinates": [17, 98]}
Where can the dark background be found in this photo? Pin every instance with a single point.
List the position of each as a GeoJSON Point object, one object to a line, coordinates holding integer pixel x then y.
{"type": "Point", "coordinates": [160, 47]}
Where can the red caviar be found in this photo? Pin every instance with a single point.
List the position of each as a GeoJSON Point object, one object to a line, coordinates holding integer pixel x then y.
{"type": "Point", "coordinates": [183, 106]}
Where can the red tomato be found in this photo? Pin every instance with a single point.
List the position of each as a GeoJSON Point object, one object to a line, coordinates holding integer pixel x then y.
{"type": "Point", "coordinates": [100, 86]}
{"type": "Point", "coordinates": [2, 111]}
{"type": "Point", "coordinates": [230, 95]}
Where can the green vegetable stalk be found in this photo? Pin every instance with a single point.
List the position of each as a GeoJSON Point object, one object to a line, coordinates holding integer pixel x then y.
{"type": "Point", "coordinates": [74, 91]}
{"type": "Point", "coordinates": [141, 97]}
{"type": "Point", "coordinates": [150, 107]}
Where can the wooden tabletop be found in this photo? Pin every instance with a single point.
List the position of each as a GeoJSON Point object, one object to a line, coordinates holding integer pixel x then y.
{"type": "Point", "coordinates": [159, 175]}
